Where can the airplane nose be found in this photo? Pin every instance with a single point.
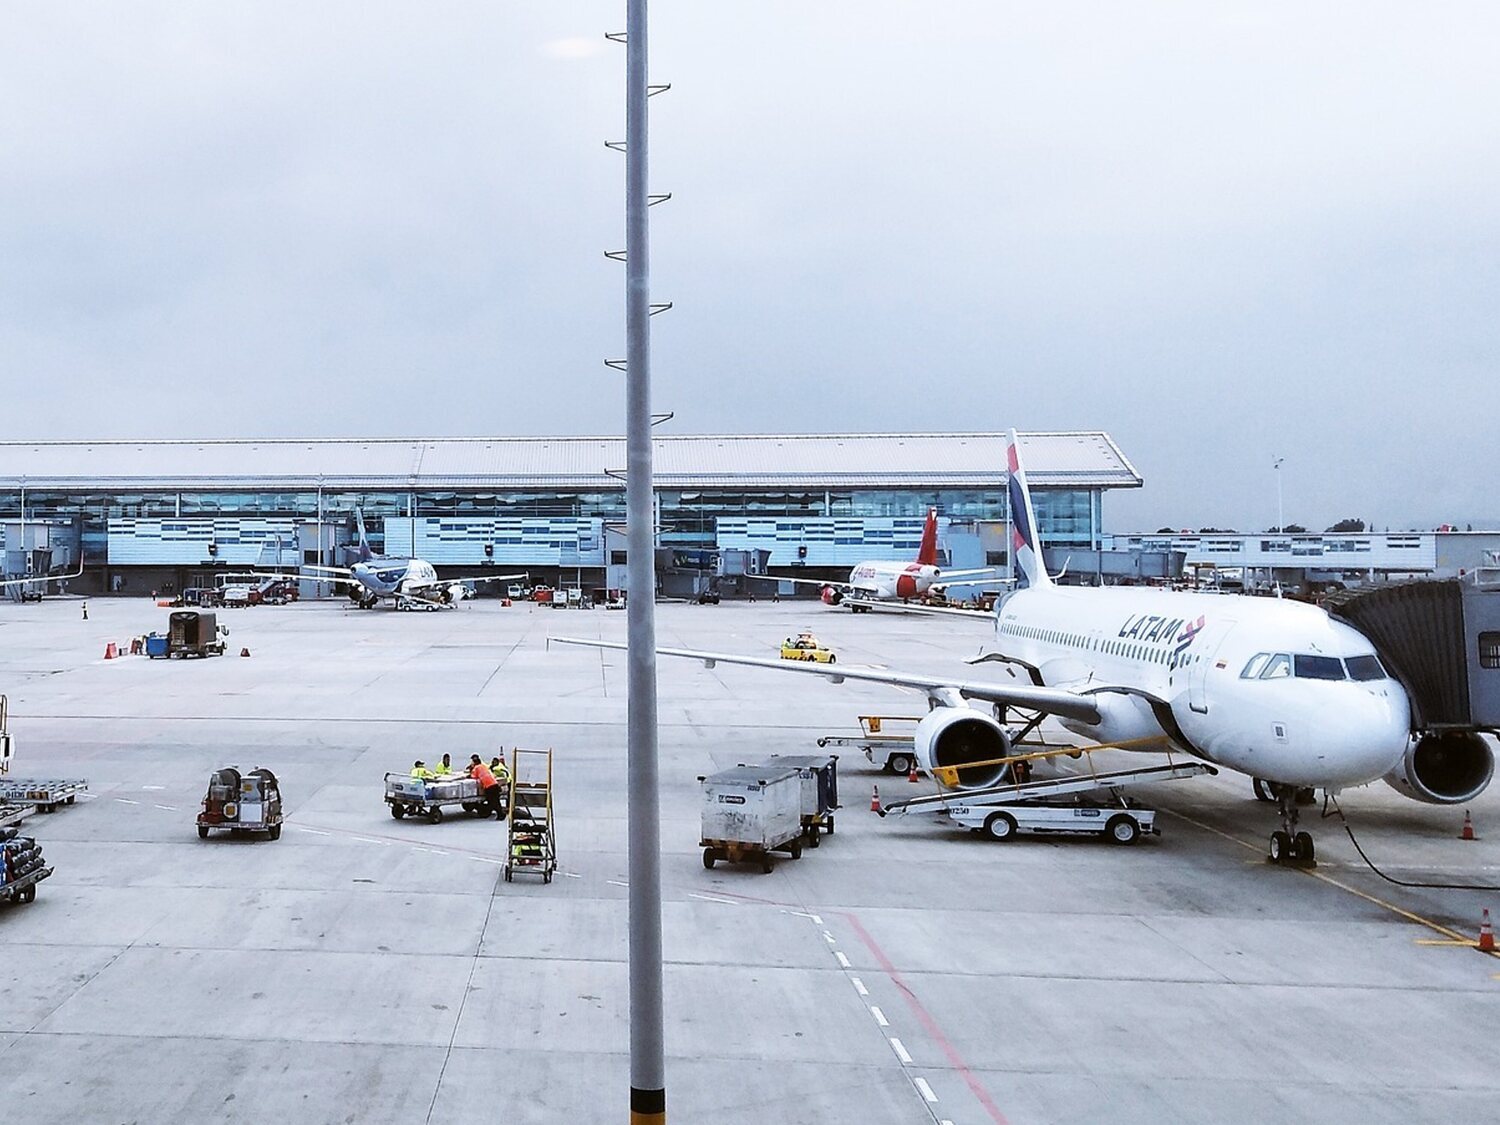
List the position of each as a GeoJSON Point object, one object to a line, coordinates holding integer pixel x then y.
{"type": "Point", "coordinates": [1370, 735]}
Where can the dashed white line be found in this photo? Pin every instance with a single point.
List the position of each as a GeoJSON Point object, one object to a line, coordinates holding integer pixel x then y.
{"type": "Point", "coordinates": [616, 883]}
{"type": "Point", "coordinates": [483, 859]}
{"type": "Point", "coordinates": [843, 961]}
{"type": "Point", "coordinates": [431, 851]}
{"type": "Point", "coordinates": [859, 986]}
{"type": "Point", "coordinates": [126, 801]}
{"type": "Point", "coordinates": [314, 831]}
{"type": "Point", "coordinates": [168, 808]}
{"type": "Point", "coordinates": [879, 1016]}
{"type": "Point", "coordinates": [157, 788]}
{"type": "Point", "coordinates": [571, 875]}
{"type": "Point", "coordinates": [829, 938]}
{"type": "Point", "coordinates": [901, 1052]}
{"type": "Point", "coordinates": [926, 1090]}
{"type": "Point", "coordinates": [711, 898]}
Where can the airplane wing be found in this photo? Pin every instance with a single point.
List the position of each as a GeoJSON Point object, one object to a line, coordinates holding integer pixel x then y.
{"type": "Point", "coordinates": [41, 578]}
{"type": "Point", "coordinates": [1053, 701]}
{"type": "Point", "coordinates": [983, 616]}
{"type": "Point", "coordinates": [821, 583]}
{"type": "Point", "coordinates": [946, 576]}
{"type": "Point", "coordinates": [471, 578]}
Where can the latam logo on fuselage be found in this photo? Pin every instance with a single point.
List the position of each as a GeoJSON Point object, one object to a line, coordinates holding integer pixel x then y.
{"type": "Point", "coordinates": [1148, 628]}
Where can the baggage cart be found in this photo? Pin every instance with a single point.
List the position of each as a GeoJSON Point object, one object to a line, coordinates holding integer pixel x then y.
{"type": "Point", "coordinates": [820, 790]}
{"type": "Point", "coordinates": [748, 812]}
{"type": "Point", "coordinates": [44, 794]}
{"type": "Point", "coordinates": [241, 803]}
{"type": "Point", "coordinates": [887, 741]}
{"type": "Point", "coordinates": [428, 797]}
{"type": "Point", "coordinates": [11, 815]}
{"type": "Point", "coordinates": [532, 836]}
{"type": "Point", "coordinates": [21, 867]}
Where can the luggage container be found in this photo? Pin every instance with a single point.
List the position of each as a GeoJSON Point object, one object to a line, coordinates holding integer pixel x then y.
{"type": "Point", "coordinates": [750, 812]}
{"type": "Point", "coordinates": [820, 790]}
{"type": "Point", "coordinates": [417, 796]}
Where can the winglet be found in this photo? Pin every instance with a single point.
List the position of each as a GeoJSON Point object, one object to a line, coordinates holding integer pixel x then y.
{"type": "Point", "coordinates": [927, 553]}
{"type": "Point", "coordinates": [1024, 540]}
{"type": "Point", "coordinates": [365, 554]}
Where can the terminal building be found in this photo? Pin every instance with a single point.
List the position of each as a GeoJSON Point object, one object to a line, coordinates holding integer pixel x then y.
{"type": "Point", "coordinates": [166, 514]}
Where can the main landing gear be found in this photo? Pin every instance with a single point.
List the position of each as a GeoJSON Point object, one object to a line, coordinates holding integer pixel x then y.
{"type": "Point", "coordinates": [1289, 846]}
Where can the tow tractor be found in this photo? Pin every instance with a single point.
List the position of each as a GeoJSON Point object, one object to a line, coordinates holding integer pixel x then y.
{"type": "Point", "coordinates": [1089, 803]}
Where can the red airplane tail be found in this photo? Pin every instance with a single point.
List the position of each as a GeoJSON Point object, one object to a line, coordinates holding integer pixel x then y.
{"type": "Point", "coordinates": [927, 553]}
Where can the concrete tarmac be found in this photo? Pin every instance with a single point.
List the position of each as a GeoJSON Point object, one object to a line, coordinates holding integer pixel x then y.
{"type": "Point", "coordinates": [366, 969]}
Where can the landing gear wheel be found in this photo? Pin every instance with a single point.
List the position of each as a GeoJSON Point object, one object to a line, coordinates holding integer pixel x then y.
{"type": "Point", "coordinates": [1000, 826]}
{"type": "Point", "coordinates": [1302, 848]}
{"type": "Point", "coordinates": [899, 763]}
{"type": "Point", "coordinates": [1122, 830]}
{"type": "Point", "coordinates": [1281, 847]}
{"type": "Point", "coordinates": [1262, 790]}
{"type": "Point", "coordinates": [1307, 797]}
{"type": "Point", "coordinates": [434, 814]}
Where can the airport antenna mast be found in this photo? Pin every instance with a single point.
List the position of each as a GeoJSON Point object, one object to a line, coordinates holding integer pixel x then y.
{"type": "Point", "coordinates": [648, 1097]}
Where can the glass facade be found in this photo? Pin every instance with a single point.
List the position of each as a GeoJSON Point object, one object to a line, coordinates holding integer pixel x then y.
{"type": "Point", "coordinates": [688, 518]}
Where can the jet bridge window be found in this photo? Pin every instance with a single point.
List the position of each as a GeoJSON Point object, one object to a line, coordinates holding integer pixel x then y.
{"type": "Point", "coordinates": [1279, 667]}
{"type": "Point", "coordinates": [1254, 666]}
{"type": "Point", "coordinates": [1489, 650]}
{"type": "Point", "coordinates": [1318, 667]}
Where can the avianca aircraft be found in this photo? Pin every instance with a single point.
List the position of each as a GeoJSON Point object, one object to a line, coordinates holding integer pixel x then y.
{"type": "Point", "coordinates": [405, 583]}
{"type": "Point", "coordinates": [883, 581]}
{"type": "Point", "coordinates": [1274, 689]}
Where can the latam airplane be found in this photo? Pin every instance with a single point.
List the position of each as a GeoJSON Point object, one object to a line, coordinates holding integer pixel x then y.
{"type": "Point", "coordinates": [404, 583]}
{"type": "Point", "coordinates": [1274, 689]}
{"type": "Point", "coordinates": [884, 581]}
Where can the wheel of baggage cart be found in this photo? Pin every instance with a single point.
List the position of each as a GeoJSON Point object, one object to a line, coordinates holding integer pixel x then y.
{"type": "Point", "coordinates": [830, 824]}
{"type": "Point", "coordinates": [1122, 829]}
{"type": "Point", "coordinates": [203, 832]}
{"type": "Point", "coordinates": [795, 850]}
{"type": "Point", "coordinates": [898, 763]}
{"type": "Point", "coordinates": [28, 895]}
{"type": "Point", "coordinates": [822, 742]}
{"type": "Point", "coordinates": [546, 876]}
{"type": "Point", "coordinates": [710, 857]}
{"type": "Point", "coordinates": [765, 864]}
{"type": "Point", "coordinates": [69, 801]}
{"type": "Point", "coordinates": [274, 832]}
{"type": "Point", "coordinates": [813, 837]}
{"type": "Point", "coordinates": [1000, 826]}
{"type": "Point", "coordinates": [434, 814]}
{"type": "Point", "coordinates": [507, 873]}
{"type": "Point", "coordinates": [397, 810]}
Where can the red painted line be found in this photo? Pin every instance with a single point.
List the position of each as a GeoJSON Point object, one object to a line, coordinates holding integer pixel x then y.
{"type": "Point", "coordinates": [930, 1025]}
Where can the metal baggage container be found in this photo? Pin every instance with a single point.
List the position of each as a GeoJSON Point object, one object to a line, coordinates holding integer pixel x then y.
{"type": "Point", "coordinates": [820, 789]}
{"type": "Point", "coordinates": [749, 812]}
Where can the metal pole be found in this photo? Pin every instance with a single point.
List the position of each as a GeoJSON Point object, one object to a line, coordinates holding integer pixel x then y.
{"type": "Point", "coordinates": [1280, 514]}
{"type": "Point", "coordinates": [648, 1096]}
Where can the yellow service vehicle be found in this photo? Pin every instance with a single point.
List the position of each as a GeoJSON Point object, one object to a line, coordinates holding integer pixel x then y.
{"type": "Point", "coordinates": [805, 646]}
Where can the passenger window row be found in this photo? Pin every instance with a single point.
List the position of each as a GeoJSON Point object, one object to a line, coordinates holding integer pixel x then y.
{"type": "Point", "coordinates": [1305, 666]}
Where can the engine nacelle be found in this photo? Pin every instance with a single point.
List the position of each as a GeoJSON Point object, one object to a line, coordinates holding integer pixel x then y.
{"type": "Point", "coordinates": [906, 586]}
{"type": "Point", "coordinates": [456, 593]}
{"type": "Point", "coordinates": [832, 595]}
{"type": "Point", "coordinates": [1448, 768]}
{"type": "Point", "coordinates": [952, 737]}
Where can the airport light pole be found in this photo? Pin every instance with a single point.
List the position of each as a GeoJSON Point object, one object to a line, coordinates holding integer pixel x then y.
{"type": "Point", "coordinates": [1280, 513]}
{"type": "Point", "coordinates": [648, 1097]}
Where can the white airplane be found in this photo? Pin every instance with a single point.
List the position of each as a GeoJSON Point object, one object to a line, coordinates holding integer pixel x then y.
{"type": "Point", "coordinates": [887, 581]}
{"type": "Point", "coordinates": [1274, 689]}
{"type": "Point", "coordinates": [404, 583]}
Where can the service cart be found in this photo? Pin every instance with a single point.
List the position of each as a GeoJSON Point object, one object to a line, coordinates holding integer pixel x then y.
{"type": "Point", "coordinates": [241, 803]}
{"type": "Point", "coordinates": [45, 794]}
{"type": "Point", "coordinates": [887, 741]}
{"type": "Point", "coordinates": [532, 839]}
{"type": "Point", "coordinates": [21, 867]}
{"type": "Point", "coordinates": [820, 790]}
{"type": "Point", "coordinates": [750, 812]}
{"type": "Point", "coordinates": [418, 796]}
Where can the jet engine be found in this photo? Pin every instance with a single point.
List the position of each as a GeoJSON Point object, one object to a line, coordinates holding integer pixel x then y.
{"type": "Point", "coordinates": [457, 592]}
{"type": "Point", "coordinates": [1447, 768]}
{"type": "Point", "coordinates": [952, 737]}
{"type": "Point", "coordinates": [832, 596]}
{"type": "Point", "coordinates": [906, 586]}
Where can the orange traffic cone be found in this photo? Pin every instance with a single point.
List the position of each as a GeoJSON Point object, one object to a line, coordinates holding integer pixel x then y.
{"type": "Point", "coordinates": [1486, 934]}
{"type": "Point", "coordinates": [875, 800]}
{"type": "Point", "coordinates": [1468, 832]}
{"type": "Point", "coordinates": [244, 652]}
{"type": "Point", "coordinates": [110, 652]}
{"type": "Point", "coordinates": [912, 777]}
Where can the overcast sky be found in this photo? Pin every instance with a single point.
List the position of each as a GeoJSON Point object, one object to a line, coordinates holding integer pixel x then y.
{"type": "Point", "coordinates": [1222, 232]}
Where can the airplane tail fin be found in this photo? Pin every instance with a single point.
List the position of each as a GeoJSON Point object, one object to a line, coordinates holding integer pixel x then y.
{"type": "Point", "coordinates": [927, 553]}
{"type": "Point", "coordinates": [1025, 544]}
{"type": "Point", "coordinates": [365, 554]}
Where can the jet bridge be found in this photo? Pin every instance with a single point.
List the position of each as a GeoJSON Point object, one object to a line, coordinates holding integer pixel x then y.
{"type": "Point", "coordinates": [1441, 639]}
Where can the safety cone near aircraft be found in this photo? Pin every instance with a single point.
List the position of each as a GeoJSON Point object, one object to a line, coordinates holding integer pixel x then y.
{"type": "Point", "coordinates": [912, 776]}
{"type": "Point", "coordinates": [1468, 832]}
{"type": "Point", "coordinates": [1486, 934]}
{"type": "Point", "coordinates": [110, 652]}
{"type": "Point", "coordinates": [875, 799]}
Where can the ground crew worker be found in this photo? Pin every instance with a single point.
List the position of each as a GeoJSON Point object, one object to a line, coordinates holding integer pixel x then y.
{"type": "Point", "coordinates": [502, 775]}
{"type": "Point", "coordinates": [446, 765]}
{"type": "Point", "coordinates": [420, 771]}
{"type": "Point", "coordinates": [489, 788]}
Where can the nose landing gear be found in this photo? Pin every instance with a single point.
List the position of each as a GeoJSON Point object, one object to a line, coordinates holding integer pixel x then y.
{"type": "Point", "coordinates": [1289, 846]}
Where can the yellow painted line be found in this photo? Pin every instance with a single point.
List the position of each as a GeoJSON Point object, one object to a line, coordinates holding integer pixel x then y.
{"type": "Point", "coordinates": [1437, 927]}
{"type": "Point", "coordinates": [1445, 941]}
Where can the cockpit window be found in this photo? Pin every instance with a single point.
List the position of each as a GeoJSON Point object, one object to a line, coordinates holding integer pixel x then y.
{"type": "Point", "coordinates": [1256, 663]}
{"type": "Point", "coordinates": [1278, 667]}
{"type": "Point", "coordinates": [1319, 667]}
{"type": "Point", "coordinates": [1365, 668]}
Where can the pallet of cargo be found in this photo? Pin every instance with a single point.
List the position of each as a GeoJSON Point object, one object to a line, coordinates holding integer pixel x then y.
{"type": "Point", "coordinates": [46, 794]}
